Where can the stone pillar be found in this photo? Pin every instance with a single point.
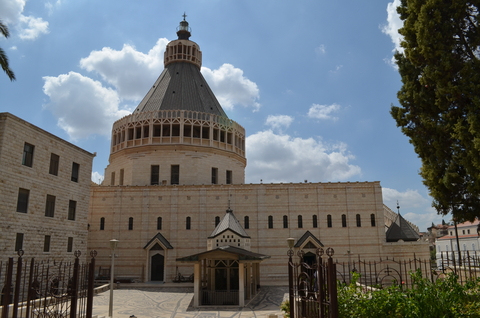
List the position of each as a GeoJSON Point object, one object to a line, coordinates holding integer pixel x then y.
{"type": "Point", "coordinates": [196, 285]}
{"type": "Point", "coordinates": [241, 286]}
{"type": "Point", "coordinates": [249, 281]}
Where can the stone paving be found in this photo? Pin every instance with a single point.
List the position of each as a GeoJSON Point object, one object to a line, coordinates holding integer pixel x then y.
{"type": "Point", "coordinates": [177, 302]}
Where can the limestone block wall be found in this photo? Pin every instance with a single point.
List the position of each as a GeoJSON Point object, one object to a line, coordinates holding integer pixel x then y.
{"type": "Point", "coordinates": [33, 224]}
{"type": "Point", "coordinates": [265, 206]}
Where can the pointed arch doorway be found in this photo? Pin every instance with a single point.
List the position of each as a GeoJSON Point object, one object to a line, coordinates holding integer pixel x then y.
{"type": "Point", "coordinates": [157, 254]}
{"type": "Point", "coordinates": [157, 267]}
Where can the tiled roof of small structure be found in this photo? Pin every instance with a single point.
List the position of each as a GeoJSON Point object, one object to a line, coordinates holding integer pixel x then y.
{"type": "Point", "coordinates": [305, 237]}
{"type": "Point", "coordinates": [242, 254]}
{"type": "Point", "coordinates": [229, 222]}
{"type": "Point", "coordinates": [181, 86]}
{"type": "Point", "coordinates": [401, 230]}
{"type": "Point", "coordinates": [162, 239]}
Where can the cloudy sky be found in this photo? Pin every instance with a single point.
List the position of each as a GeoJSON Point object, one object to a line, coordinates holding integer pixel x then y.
{"type": "Point", "coordinates": [311, 81]}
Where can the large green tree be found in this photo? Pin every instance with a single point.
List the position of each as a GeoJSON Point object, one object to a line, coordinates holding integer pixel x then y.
{"type": "Point", "coordinates": [440, 99]}
{"type": "Point", "coordinates": [3, 56]}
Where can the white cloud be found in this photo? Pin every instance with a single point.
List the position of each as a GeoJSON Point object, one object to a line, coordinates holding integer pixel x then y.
{"type": "Point", "coordinates": [29, 27]}
{"type": "Point", "coordinates": [320, 50]}
{"type": "Point", "coordinates": [282, 158]}
{"type": "Point", "coordinates": [279, 121]}
{"type": "Point", "coordinates": [231, 87]}
{"type": "Point", "coordinates": [131, 72]}
{"type": "Point", "coordinates": [408, 199]}
{"type": "Point", "coordinates": [323, 111]}
{"type": "Point", "coordinates": [97, 177]}
{"type": "Point", "coordinates": [82, 106]}
{"type": "Point", "coordinates": [391, 28]}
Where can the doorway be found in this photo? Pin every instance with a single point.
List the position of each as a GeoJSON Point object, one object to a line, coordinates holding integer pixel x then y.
{"type": "Point", "coordinates": [157, 268]}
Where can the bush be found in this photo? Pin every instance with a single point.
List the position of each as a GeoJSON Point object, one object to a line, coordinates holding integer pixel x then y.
{"type": "Point", "coordinates": [443, 298]}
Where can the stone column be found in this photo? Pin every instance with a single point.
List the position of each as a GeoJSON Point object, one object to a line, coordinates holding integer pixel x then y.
{"type": "Point", "coordinates": [241, 286]}
{"type": "Point", "coordinates": [196, 285]}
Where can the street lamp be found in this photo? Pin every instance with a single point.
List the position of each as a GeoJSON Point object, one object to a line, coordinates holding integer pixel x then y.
{"type": "Point", "coordinates": [113, 246]}
{"type": "Point", "coordinates": [290, 242]}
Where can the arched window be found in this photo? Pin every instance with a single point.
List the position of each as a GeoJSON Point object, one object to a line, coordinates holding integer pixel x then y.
{"type": "Point", "coordinates": [246, 222]}
{"type": "Point", "coordinates": [314, 220]}
{"type": "Point", "coordinates": [187, 223]}
{"type": "Point", "coordinates": [270, 222]}
{"type": "Point", "coordinates": [130, 224]}
{"type": "Point", "coordinates": [329, 220]}
{"type": "Point", "coordinates": [372, 219]}
{"type": "Point", "coordinates": [300, 222]}
{"type": "Point", "coordinates": [102, 224]}
{"type": "Point", "coordinates": [344, 220]}
{"type": "Point", "coordinates": [217, 220]}
{"type": "Point", "coordinates": [359, 220]}
{"type": "Point", "coordinates": [285, 222]}
{"type": "Point", "coordinates": [159, 223]}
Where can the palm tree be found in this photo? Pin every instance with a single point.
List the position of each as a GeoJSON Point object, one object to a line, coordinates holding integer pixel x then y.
{"type": "Point", "coordinates": [3, 56]}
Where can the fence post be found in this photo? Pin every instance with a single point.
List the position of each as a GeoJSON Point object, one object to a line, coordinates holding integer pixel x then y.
{"type": "Point", "coordinates": [290, 253]}
{"type": "Point", "coordinates": [332, 284]}
{"type": "Point", "coordinates": [18, 279]}
{"type": "Point", "coordinates": [7, 289]}
{"type": "Point", "coordinates": [74, 296]}
{"type": "Point", "coordinates": [30, 287]}
{"type": "Point", "coordinates": [91, 278]}
{"type": "Point", "coordinates": [320, 282]}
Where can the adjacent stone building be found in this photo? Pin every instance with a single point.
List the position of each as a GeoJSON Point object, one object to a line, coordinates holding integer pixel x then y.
{"type": "Point", "coordinates": [44, 190]}
{"type": "Point", "coordinates": [177, 163]}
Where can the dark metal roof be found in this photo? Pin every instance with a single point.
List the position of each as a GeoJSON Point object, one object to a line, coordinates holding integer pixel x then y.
{"type": "Point", "coordinates": [229, 222]}
{"type": "Point", "coordinates": [181, 86]}
{"type": "Point", "coordinates": [305, 237]}
{"type": "Point", "coordinates": [401, 230]}
{"type": "Point", "coordinates": [243, 255]}
{"type": "Point", "coordinates": [162, 239]}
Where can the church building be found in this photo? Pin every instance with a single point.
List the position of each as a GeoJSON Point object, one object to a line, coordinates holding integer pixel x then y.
{"type": "Point", "coordinates": [177, 163]}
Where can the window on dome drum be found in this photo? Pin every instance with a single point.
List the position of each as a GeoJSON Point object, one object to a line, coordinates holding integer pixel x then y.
{"type": "Point", "coordinates": [102, 224]}
{"type": "Point", "coordinates": [122, 172]}
{"type": "Point", "coordinates": [222, 135]}
{"type": "Point", "coordinates": [54, 162]}
{"type": "Point", "coordinates": [72, 209]}
{"type": "Point", "coordinates": [27, 159]}
{"type": "Point", "coordinates": [187, 223]}
{"type": "Point", "coordinates": [130, 223]}
{"type": "Point", "coordinates": [246, 222]}
{"type": "Point", "coordinates": [270, 222]}
{"type": "Point", "coordinates": [300, 222]}
{"type": "Point", "coordinates": [154, 174]}
{"type": "Point", "coordinates": [214, 175]}
{"type": "Point", "coordinates": [19, 242]}
{"type": "Point", "coordinates": [146, 131]}
{"type": "Point", "coordinates": [314, 221]}
{"type": "Point", "coordinates": [46, 243]}
{"type": "Point", "coordinates": [50, 206]}
{"type": "Point", "coordinates": [215, 134]}
{"type": "Point", "coordinates": [196, 131]}
{"type": "Point", "coordinates": [112, 178]}
{"type": "Point", "coordinates": [329, 220]}
{"type": "Point", "coordinates": [175, 130]}
{"type": "Point", "coordinates": [217, 220]}
{"type": "Point", "coordinates": [175, 174]}
{"type": "Point", "coordinates": [70, 245]}
{"type": "Point", "coordinates": [228, 177]}
{"type": "Point", "coordinates": [205, 132]}
{"type": "Point", "coordinates": [187, 130]}
{"type": "Point", "coordinates": [372, 219]}
{"type": "Point", "coordinates": [130, 133]}
{"type": "Point", "coordinates": [359, 220]}
{"type": "Point", "coordinates": [285, 222]}
{"type": "Point", "coordinates": [138, 132]}
{"type": "Point", "coordinates": [75, 171]}
{"type": "Point", "coordinates": [22, 201]}
{"type": "Point", "coordinates": [159, 223]}
{"type": "Point", "coordinates": [156, 130]}
{"type": "Point", "coordinates": [344, 220]}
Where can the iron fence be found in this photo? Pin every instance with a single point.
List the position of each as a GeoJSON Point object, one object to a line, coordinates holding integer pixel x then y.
{"type": "Point", "coordinates": [46, 289]}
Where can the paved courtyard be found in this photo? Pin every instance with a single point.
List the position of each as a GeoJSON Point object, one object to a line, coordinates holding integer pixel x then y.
{"type": "Point", "coordinates": [177, 302]}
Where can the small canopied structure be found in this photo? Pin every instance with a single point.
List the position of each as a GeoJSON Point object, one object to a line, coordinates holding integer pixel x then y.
{"type": "Point", "coordinates": [228, 273]}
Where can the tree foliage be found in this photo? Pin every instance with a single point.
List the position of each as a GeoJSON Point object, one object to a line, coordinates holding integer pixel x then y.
{"type": "Point", "coordinates": [440, 99]}
{"type": "Point", "coordinates": [3, 56]}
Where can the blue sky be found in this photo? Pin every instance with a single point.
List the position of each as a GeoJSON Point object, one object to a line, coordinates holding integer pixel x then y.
{"type": "Point", "coordinates": [311, 81]}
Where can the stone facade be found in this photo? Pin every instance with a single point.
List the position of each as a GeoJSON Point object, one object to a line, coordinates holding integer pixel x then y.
{"type": "Point", "coordinates": [44, 200]}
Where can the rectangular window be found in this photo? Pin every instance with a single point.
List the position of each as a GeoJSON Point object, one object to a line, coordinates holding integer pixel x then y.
{"type": "Point", "coordinates": [229, 177]}
{"type": "Point", "coordinates": [154, 174]}
{"type": "Point", "coordinates": [22, 201]}
{"type": "Point", "coordinates": [27, 159]}
{"type": "Point", "coordinates": [214, 175]}
{"type": "Point", "coordinates": [75, 171]}
{"type": "Point", "coordinates": [72, 207]}
{"type": "Point", "coordinates": [50, 206]}
{"type": "Point", "coordinates": [70, 244]}
{"type": "Point", "coordinates": [175, 174]}
{"type": "Point", "coordinates": [122, 172]}
{"type": "Point", "coordinates": [112, 178]}
{"type": "Point", "coordinates": [46, 244]}
{"type": "Point", "coordinates": [54, 162]}
{"type": "Point", "coordinates": [19, 242]}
